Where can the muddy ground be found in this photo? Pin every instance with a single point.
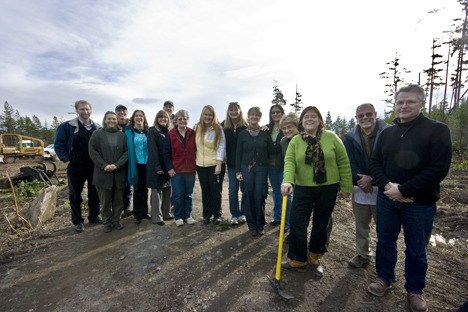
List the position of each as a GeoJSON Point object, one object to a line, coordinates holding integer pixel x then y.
{"type": "Point", "coordinates": [148, 267]}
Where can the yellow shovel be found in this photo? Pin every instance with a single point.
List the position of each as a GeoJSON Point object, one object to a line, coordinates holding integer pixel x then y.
{"type": "Point", "coordinates": [276, 281]}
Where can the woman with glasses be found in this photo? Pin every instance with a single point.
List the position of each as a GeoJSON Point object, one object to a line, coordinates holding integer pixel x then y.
{"type": "Point", "coordinates": [275, 162]}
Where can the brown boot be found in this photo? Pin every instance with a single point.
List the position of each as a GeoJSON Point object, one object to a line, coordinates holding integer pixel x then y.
{"type": "Point", "coordinates": [314, 262]}
{"type": "Point", "coordinates": [417, 302]}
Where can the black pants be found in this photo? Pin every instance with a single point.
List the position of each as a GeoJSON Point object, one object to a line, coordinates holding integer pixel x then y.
{"type": "Point", "coordinates": [211, 187]}
{"type": "Point", "coordinates": [140, 194]}
{"type": "Point", "coordinates": [319, 200]}
{"type": "Point", "coordinates": [78, 174]}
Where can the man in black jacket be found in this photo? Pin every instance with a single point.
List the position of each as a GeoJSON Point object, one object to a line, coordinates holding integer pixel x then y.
{"type": "Point", "coordinates": [410, 160]}
{"type": "Point", "coordinates": [359, 144]}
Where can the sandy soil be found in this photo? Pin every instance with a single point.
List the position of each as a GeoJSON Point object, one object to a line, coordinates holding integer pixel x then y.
{"type": "Point", "coordinates": [148, 267]}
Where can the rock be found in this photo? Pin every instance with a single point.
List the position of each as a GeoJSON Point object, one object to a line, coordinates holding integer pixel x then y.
{"type": "Point", "coordinates": [42, 208]}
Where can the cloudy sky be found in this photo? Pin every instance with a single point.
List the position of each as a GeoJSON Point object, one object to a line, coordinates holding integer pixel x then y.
{"type": "Point", "coordinates": [141, 53]}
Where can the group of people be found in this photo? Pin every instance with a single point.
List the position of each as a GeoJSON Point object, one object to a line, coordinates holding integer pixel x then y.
{"type": "Point", "coordinates": [393, 173]}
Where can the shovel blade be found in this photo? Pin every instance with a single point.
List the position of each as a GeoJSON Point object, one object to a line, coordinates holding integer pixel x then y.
{"type": "Point", "coordinates": [278, 289]}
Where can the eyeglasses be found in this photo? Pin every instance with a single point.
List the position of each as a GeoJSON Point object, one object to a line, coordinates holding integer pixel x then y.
{"type": "Point", "coordinates": [368, 115]}
{"type": "Point", "coordinates": [275, 112]}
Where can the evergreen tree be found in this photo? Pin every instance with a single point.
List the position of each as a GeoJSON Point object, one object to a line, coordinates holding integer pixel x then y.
{"type": "Point", "coordinates": [278, 95]}
{"type": "Point", "coordinates": [328, 121]}
{"type": "Point", "coordinates": [7, 120]}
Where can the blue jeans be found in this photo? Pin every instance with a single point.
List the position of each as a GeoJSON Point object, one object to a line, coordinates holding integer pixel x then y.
{"type": "Point", "coordinates": [182, 190]}
{"type": "Point", "coordinates": [416, 220]}
{"type": "Point", "coordinates": [256, 186]}
{"type": "Point", "coordinates": [234, 187]}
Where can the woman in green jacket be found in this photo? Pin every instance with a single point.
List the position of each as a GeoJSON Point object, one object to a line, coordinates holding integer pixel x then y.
{"type": "Point", "coordinates": [316, 168]}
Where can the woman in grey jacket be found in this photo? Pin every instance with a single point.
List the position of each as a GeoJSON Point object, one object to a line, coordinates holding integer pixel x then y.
{"type": "Point", "coordinates": [108, 150]}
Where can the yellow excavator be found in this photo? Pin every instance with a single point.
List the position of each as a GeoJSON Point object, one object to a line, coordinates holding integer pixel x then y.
{"type": "Point", "coordinates": [17, 146]}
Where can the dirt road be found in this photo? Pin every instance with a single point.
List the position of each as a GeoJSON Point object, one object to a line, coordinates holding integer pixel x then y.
{"type": "Point", "coordinates": [148, 267]}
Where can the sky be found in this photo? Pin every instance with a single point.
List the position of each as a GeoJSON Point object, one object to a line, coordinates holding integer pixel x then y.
{"type": "Point", "coordinates": [195, 53]}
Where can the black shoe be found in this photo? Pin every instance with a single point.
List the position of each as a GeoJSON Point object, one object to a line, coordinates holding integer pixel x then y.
{"type": "Point", "coordinates": [216, 221]}
{"type": "Point", "coordinates": [107, 228]}
{"type": "Point", "coordinates": [253, 232]}
{"type": "Point", "coordinates": [137, 221]}
{"type": "Point", "coordinates": [127, 212]}
{"type": "Point", "coordinates": [206, 221]}
{"type": "Point", "coordinates": [146, 216]}
{"type": "Point", "coordinates": [169, 217]}
{"type": "Point", "coordinates": [79, 227]}
{"type": "Point", "coordinates": [261, 231]}
{"type": "Point", "coordinates": [275, 223]}
{"type": "Point", "coordinates": [160, 223]}
{"type": "Point", "coordinates": [95, 221]}
{"type": "Point", "coordinates": [118, 226]}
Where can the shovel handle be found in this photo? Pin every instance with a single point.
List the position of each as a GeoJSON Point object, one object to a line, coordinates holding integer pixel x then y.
{"type": "Point", "coordinates": [281, 237]}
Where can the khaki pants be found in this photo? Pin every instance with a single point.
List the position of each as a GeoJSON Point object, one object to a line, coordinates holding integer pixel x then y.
{"type": "Point", "coordinates": [363, 215]}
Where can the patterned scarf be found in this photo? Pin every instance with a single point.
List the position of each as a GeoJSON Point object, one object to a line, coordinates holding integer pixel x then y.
{"type": "Point", "coordinates": [314, 156]}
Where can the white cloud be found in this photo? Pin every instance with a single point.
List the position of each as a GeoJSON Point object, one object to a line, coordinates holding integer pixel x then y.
{"type": "Point", "coordinates": [209, 52]}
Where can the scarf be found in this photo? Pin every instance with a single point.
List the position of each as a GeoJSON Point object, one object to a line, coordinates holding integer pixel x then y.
{"type": "Point", "coordinates": [314, 156]}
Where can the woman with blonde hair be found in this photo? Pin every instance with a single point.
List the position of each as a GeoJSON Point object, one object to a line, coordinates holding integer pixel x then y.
{"type": "Point", "coordinates": [157, 177]}
{"type": "Point", "coordinates": [234, 123]}
{"type": "Point", "coordinates": [211, 147]}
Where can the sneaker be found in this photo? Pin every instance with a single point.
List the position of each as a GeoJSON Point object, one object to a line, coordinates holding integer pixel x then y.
{"type": "Point", "coordinates": [379, 287]}
{"type": "Point", "coordinates": [118, 226]}
{"type": "Point", "coordinates": [294, 265]}
{"type": "Point", "coordinates": [416, 302]}
{"type": "Point", "coordinates": [314, 260]}
{"type": "Point", "coordinates": [358, 261]}
{"type": "Point", "coordinates": [234, 221]}
{"type": "Point", "coordinates": [79, 227]}
{"type": "Point", "coordinates": [190, 221]}
{"type": "Point", "coordinates": [242, 219]}
{"type": "Point", "coordinates": [179, 222]}
{"type": "Point", "coordinates": [107, 228]}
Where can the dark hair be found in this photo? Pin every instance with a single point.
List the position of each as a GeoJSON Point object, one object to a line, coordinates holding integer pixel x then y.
{"type": "Point", "coordinates": [271, 124]}
{"type": "Point", "coordinates": [321, 126]}
{"type": "Point", "coordinates": [132, 119]}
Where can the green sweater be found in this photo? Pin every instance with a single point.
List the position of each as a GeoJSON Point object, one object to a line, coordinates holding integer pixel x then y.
{"type": "Point", "coordinates": [336, 163]}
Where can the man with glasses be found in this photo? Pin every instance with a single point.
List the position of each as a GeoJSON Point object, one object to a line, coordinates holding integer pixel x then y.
{"type": "Point", "coordinates": [359, 144]}
{"type": "Point", "coordinates": [409, 161]}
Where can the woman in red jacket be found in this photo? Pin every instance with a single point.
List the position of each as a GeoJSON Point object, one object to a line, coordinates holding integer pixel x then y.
{"type": "Point", "coordinates": [179, 157]}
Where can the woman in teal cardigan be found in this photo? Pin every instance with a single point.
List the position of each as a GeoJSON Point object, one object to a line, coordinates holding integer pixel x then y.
{"type": "Point", "coordinates": [316, 168]}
